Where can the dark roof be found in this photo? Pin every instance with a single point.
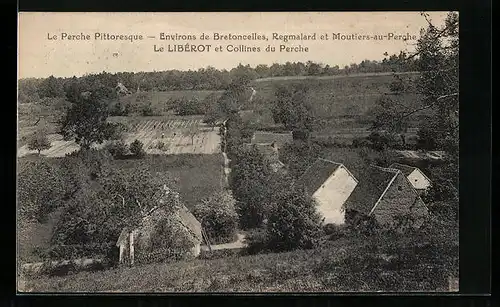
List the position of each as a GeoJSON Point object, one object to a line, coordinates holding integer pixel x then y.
{"type": "Point", "coordinates": [317, 174]}
{"type": "Point", "coordinates": [405, 169]}
{"type": "Point", "coordinates": [263, 137]}
{"type": "Point", "coordinates": [374, 182]}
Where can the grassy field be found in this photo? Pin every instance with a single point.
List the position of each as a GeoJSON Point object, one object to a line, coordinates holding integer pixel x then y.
{"type": "Point", "coordinates": [194, 176]}
{"type": "Point", "coordinates": [345, 265]}
{"type": "Point", "coordinates": [339, 102]}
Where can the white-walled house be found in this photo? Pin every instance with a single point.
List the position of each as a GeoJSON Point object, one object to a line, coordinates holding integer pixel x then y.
{"type": "Point", "coordinates": [417, 178]}
{"type": "Point", "coordinates": [330, 184]}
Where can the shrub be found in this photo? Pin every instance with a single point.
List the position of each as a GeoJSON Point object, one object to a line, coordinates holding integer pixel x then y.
{"type": "Point", "coordinates": [137, 149]}
{"type": "Point", "coordinates": [334, 232]}
{"type": "Point", "coordinates": [293, 222]}
{"type": "Point", "coordinates": [147, 110]}
{"type": "Point", "coordinates": [257, 241]}
{"type": "Point", "coordinates": [380, 141]}
{"type": "Point", "coordinates": [193, 106]}
{"type": "Point", "coordinates": [160, 145]}
{"type": "Point", "coordinates": [118, 149]}
{"type": "Point", "coordinates": [218, 217]}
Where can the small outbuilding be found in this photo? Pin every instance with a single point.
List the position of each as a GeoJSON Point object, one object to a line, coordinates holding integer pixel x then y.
{"type": "Point", "coordinates": [271, 154]}
{"type": "Point", "coordinates": [275, 139]}
{"type": "Point", "coordinates": [163, 232]}
{"type": "Point", "coordinates": [416, 177]}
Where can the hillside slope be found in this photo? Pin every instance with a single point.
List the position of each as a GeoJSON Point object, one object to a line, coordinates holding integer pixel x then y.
{"type": "Point", "coordinates": [353, 264]}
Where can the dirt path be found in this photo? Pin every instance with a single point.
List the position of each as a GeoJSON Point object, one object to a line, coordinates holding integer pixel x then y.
{"type": "Point", "coordinates": [239, 243]}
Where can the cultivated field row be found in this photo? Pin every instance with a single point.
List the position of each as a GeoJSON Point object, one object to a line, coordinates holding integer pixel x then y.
{"type": "Point", "coordinates": [172, 136]}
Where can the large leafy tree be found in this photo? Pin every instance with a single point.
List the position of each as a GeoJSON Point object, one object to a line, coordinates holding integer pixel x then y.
{"type": "Point", "coordinates": [51, 87]}
{"type": "Point", "coordinates": [436, 58]}
{"type": "Point", "coordinates": [292, 108]}
{"type": "Point", "coordinates": [105, 199]}
{"type": "Point", "coordinates": [293, 221]}
{"type": "Point", "coordinates": [438, 64]}
{"type": "Point", "coordinates": [85, 120]}
{"type": "Point", "coordinates": [41, 188]}
{"type": "Point", "coordinates": [39, 140]}
{"type": "Point", "coordinates": [249, 180]}
{"type": "Point", "coordinates": [218, 217]}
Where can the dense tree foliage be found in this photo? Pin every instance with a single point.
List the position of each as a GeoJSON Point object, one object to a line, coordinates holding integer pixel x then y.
{"type": "Point", "coordinates": [137, 149]}
{"type": "Point", "coordinates": [218, 217]}
{"type": "Point", "coordinates": [292, 109]}
{"type": "Point", "coordinates": [209, 78]}
{"type": "Point", "coordinates": [437, 54]}
{"type": "Point", "coordinates": [41, 188]}
{"type": "Point", "coordinates": [293, 221]}
{"type": "Point", "coordinates": [249, 181]}
{"type": "Point", "coordinates": [189, 106]}
{"type": "Point", "coordinates": [103, 199]}
{"type": "Point", "coordinates": [85, 119]}
{"type": "Point", "coordinates": [39, 140]}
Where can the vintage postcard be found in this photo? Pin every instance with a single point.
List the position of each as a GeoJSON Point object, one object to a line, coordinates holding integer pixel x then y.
{"type": "Point", "coordinates": [237, 152]}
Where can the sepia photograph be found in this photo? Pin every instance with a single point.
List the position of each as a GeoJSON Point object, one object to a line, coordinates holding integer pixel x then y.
{"type": "Point", "coordinates": [243, 152]}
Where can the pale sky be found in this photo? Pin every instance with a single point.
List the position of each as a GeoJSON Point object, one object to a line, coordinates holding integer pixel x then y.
{"type": "Point", "coordinates": [40, 57]}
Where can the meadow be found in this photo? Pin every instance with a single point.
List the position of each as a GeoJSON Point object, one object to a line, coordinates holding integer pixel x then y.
{"type": "Point", "coordinates": [342, 105]}
{"type": "Point", "coordinates": [348, 264]}
{"type": "Point", "coordinates": [195, 177]}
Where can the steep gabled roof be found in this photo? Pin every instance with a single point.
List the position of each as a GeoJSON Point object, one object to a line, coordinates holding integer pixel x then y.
{"type": "Point", "coordinates": [407, 169]}
{"type": "Point", "coordinates": [264, 137]}
{"type": "Point", "coordinates": [317, 174]}
{"type": "Point", "coordinates": [188, 220]}
{"type": "Point", "coordinates": [375, 182]}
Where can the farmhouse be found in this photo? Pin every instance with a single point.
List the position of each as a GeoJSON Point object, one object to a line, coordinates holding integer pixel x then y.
{"type": "Point", "coordinates": [385, 194]}
{"type": "Point", "coordinates": [330, 184]}
{"type": "Point", "coordinates": [122, 90]}
{"type": "Point", "coordinates": [161, 234]}
{"type": "Point", "coordinates": [416, 177]}
{"type": "Point", "coordinates": [277, 140]}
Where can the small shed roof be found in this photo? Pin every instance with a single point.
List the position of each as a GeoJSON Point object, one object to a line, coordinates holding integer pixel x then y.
{"type": "Point", "coordinates": [264, 137]}
{"type": "Point", "coordinates": [375, 182]}
{"type": "Point", "coordinates": [317, 174]}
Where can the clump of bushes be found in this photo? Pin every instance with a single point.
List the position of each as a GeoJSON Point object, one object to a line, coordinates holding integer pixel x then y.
{"type": "Point", "coordinates": [137, 149]}
{"type": "Point", "coordinates": [218, 217]}
{"type": "Point", "coordinates": [293, 223]}
{"type": "Point", "coordinates": [118, 149]}
{"type": "Point", "coordinates": [334, 232]}
{"type": "Point", "coordinates": [41, 188]}
{"type": "Point", "coordinates": [192, 106]}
